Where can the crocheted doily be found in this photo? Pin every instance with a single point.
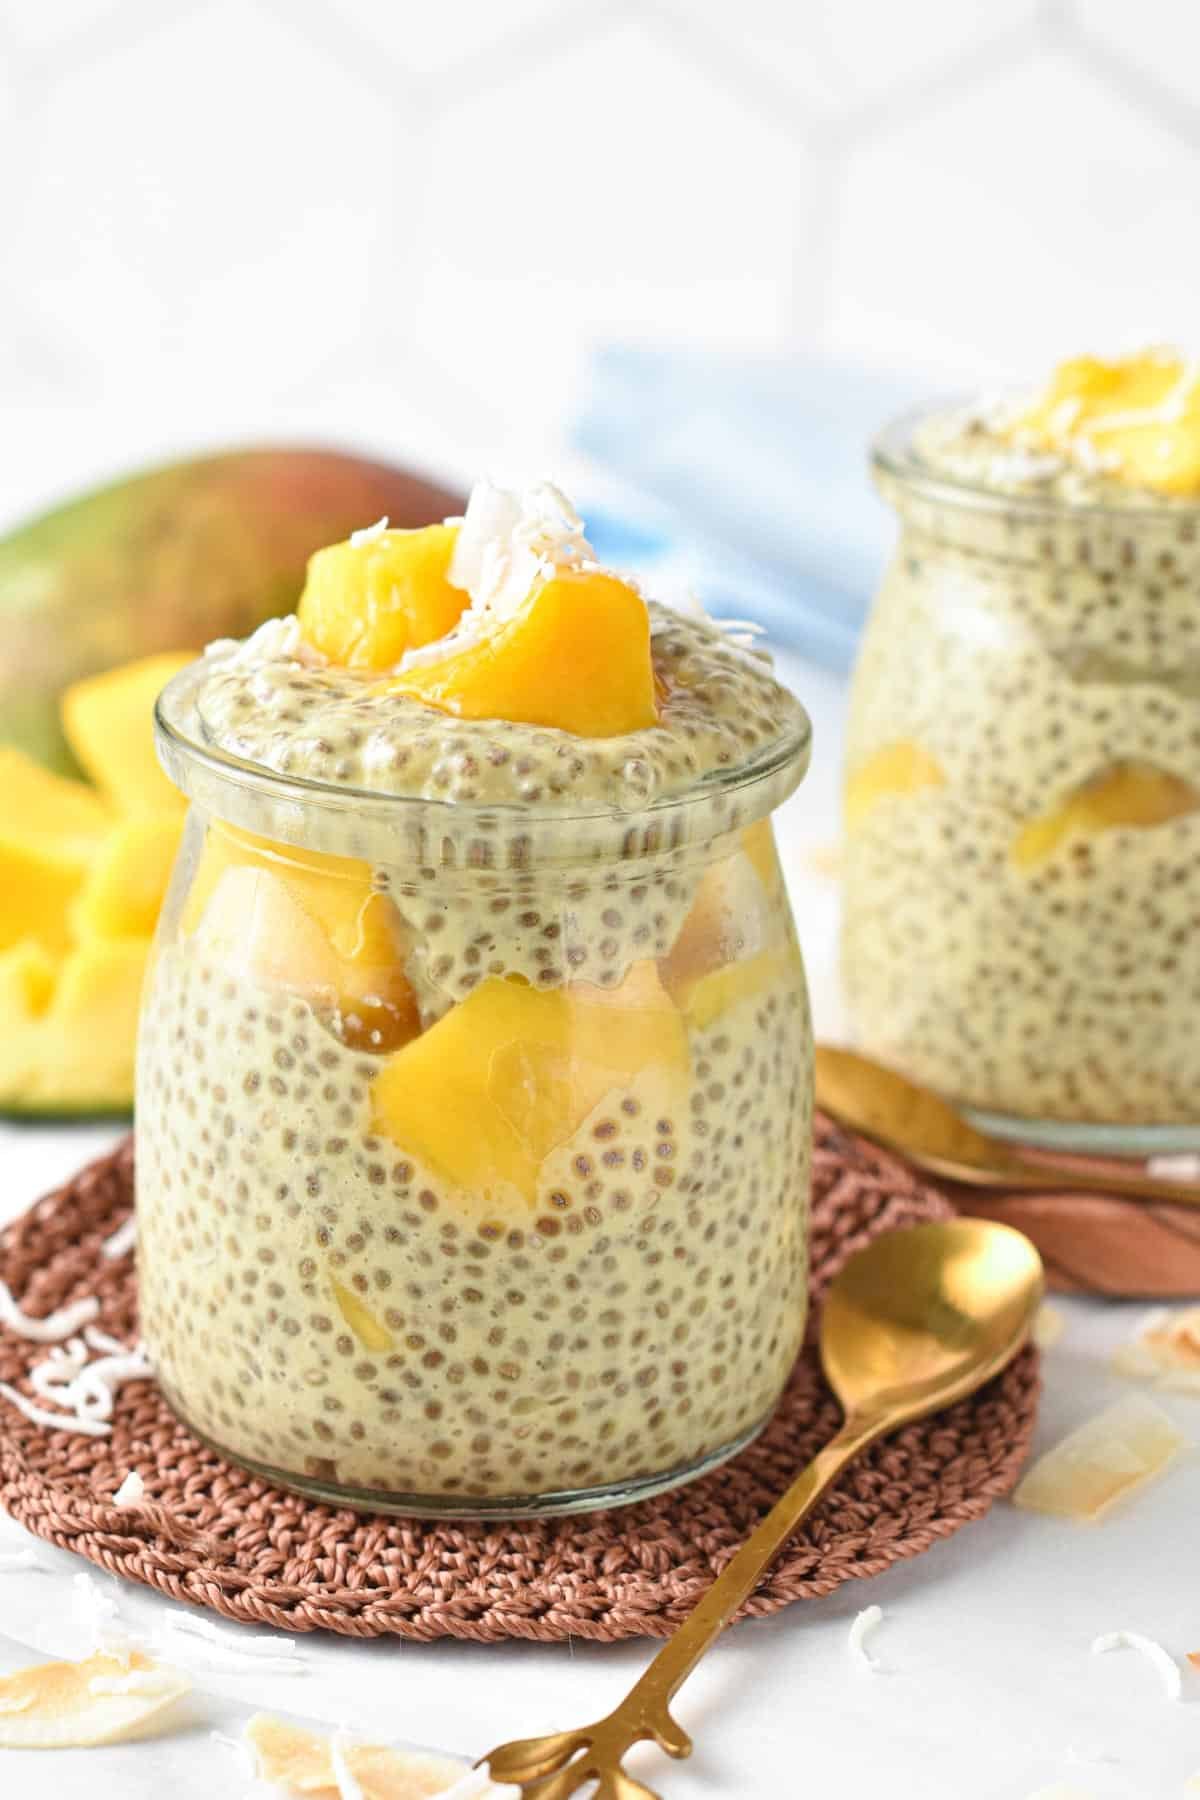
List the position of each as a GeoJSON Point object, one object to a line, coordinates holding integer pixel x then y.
{"type": "Point", "coordinates": [215, 1536]}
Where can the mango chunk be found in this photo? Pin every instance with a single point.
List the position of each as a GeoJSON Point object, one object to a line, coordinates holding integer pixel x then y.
{"type": "Point", "coordinates": [109, 723]}
{"type": "Point", "coordinates": [717, 992]}
{"type": "Point", "coordinates": [512, 1072]}
{"type": "Point", "coordinates": [729, 921]}
{"type": "Point", "coordinates": [37, 806]}
{"type": "Point", "coordinates": [898, 769]}
{"type": "Point", "coordinates": [67, 1034]}
{"type": "Point", "coordinates": [310, 923]}
{"type": "Point", "coordinates": [575, 656]}
{"type": "Point", "coordinates": [1128, 794]}
{"type": "Point", "coordinates": [38, 884]}
{"type": "Point", "coordinates": [50, 829]}
{"type": "Point", "coordinates": [361, 1320]}
{"type": "Point", "coordinates": [368, 601]}
{"type": "Point", "coordinates": [125, 886]}
{"type": "Point", "coordinates": [1140, 414]}
{"type": "Point", "coordinates": [758, 841]}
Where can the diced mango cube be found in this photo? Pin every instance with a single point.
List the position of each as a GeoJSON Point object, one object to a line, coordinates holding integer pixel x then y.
{"type": "Point", "coordinates": [109, 723]}
{"type": "Point", "coordinates": [575, 656]}
{"type": "Point", "coordinates": [898, 769]}
{"type": "Point", "coordinates": [1141, 413]}
{"type": "Point", "coordinates": [365, 603]}
{"type": "Point", "coordinates": [716, 993]}
{"type": "Point", "coordinates": [125, 886]}
{"type": "Point", "coordinates": [27, 976]}
{"type": "Point", "coordinates": [511, 1073]}
{"type": "Point", "coordinates": [1128, 794]}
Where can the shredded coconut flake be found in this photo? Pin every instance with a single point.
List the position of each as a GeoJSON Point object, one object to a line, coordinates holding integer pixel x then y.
{"type": "Point", "coordinates": [272, 1656]}
{"type": "Point", "coordinates": [507, 541]}
{"type": "Point", "coordinates": [85, 1390]}
{"type": "Point", "coordinates": [38, 1415]}
{"type": "Point", "coordinates": [102, 1619]}
{"type": "Point", "coordinates": [54, 1327]}
{"type": "Point", "coordinates": [1165, 1663]}
{"type": "Point", "coordinates": [122, 1240]}
{"type": "Point", "coordinates": [864, 1625]}
{"type": "Point", "coordinates": [131, 1492]}
{"type": "Point", "coordinates": [369, 533]}
{"type": "Point", "coordinates": [1183, 1165]}
{"type": "Point", "coordinates": [276, 640]}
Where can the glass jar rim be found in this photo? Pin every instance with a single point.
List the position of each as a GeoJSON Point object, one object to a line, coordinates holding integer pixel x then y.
{"type": "Point", "coordinates": [892, 456]}
{"type": "Point", "coordinates": [764, 780]}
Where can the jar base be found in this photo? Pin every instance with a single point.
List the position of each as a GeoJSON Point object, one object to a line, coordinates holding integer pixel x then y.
{"type": "Point", "coordinates": [1083, 1138]}
{"type": "Point", "coordinates": [509, 1506]}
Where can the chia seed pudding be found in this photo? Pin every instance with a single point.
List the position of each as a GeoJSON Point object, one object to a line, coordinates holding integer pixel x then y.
{"type": "Point", "coordinates": [1023, 769]}
{"type": "Point", "coordinates": [474, 1094]}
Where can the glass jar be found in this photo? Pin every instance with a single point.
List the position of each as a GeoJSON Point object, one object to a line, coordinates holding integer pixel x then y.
{"type": "Point", "coordinates": [472, 1145]}
{"type": "Point", "coordinates": [1022, 840]}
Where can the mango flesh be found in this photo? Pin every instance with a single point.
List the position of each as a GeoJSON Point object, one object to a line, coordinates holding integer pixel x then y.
{"type": "Point", "coordinates": [721, 989]}
{"type": "Point", "coordinates": [123, 892]}
{"type": "Point", "coordinates": [575, 656]}
{"type": "Point", "coordinates": [364, 604]}
{"type": "Point", "coordinates": [729, 921]}
{"type": "Point", "coordinates": [898, 769]}
{"type": "Point", "coordinates": [1128, 794]}
{"type": "Point", "coordinates": [50, 830]}
{"type": "Point", "coordinates": [511, 1073]}
{"type": "Point", "coordinates": [1140, 412]}
{"type": "Point", "coordinates": [69, 1029]}
{"type": "Point", "coordinates": [109, 722]}
{"type": "Point", "coordinates": [173, 557]}
{"type": "Point", "coordinates": [311, 923]}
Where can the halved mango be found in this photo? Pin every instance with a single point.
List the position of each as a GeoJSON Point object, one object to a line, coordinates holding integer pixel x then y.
{"type": "Point", "coordinates": [1127, 794]}
{"type": "Point", "coordinates": [67, 1035]}
{"type": "Point", "coordinates": [899, 768]}
{"type": "Point", "coordinates": [575, 656]}
{"type": "Point", "coordinates": [366, 602]}
{"type": "Point", "coordinates": [312, 923]}
{"type": "Point", "coordinates": [108, 721]}
{"type": "Point", "coordinates": [512, 1072]}
{"type": "Point", "coordinates": [124, 889]}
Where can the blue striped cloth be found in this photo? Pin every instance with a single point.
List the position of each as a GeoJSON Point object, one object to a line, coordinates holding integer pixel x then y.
{"type": "Point", "coordinates": [751, 473]}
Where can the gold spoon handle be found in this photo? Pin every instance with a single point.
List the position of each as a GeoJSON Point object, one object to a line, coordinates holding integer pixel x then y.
{"type": "Point", "coordinates": [742, 1573]}
{"type": "Point", "coordinates": [1010, 1170]}
{"type": "Point", "coordinates": [557, 1766]}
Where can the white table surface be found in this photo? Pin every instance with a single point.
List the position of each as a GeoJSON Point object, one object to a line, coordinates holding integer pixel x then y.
{"type": "Point", "coordinates": [991, 1693]}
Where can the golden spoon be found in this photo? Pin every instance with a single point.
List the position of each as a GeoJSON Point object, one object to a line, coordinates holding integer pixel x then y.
{"type": "Point", "coordinates": [902, 1116]}
{"type": "Point", "coordinates": [918, 1319]}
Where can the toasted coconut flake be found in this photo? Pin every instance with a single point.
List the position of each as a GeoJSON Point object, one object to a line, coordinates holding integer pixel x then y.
{"type": "Point", "coordinates": [54, 1327]}
{"type": "Point", "coordinates": [131, 1492]}
{"type": "Point", "coordinates": [864, 1624]}
{"type": "Point", "coordinates": [1048, 1327]}
{"type": "Point", "coordinates": [63, 1705]}
{"type": "Point", "coordinates": [122, 1241]}
{"type": "Point", "coordinates": [303, 1763]}
{"type": "Point", "coordinates": [1165, 1350]}
{"type": "Point", "coordinates": [1107, 1458]}
{"type": "Point", "coordinates": [1163, 1661]}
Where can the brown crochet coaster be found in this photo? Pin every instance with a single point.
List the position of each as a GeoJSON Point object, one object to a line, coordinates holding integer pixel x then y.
{"type": "Point", "coordinates": [218, 1537]}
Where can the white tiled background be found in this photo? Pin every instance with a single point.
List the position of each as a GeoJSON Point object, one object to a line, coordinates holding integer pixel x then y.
{"type": "Point", "coordinates": [404, 221]}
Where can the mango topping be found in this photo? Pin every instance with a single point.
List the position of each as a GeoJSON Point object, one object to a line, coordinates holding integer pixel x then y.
{"type": "Point", "coordinates": [510, 1074]}
{"type": "Point", "coordinates": [898, 769]}
{"type": "Point", "coordinates": [1137, 417]}
{"type": "Point", "coordinates": [379, 594]}
{"type": "Point", "coordinates": [309, 922]}
{"type": "Point", "coordinates": [574, 656]}
{"type": "Point", "coordinates": [1128, 794]}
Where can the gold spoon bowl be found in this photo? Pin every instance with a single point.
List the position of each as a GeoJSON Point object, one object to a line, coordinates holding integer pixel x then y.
{"type": "Point", "coordinates": [917, 1320]}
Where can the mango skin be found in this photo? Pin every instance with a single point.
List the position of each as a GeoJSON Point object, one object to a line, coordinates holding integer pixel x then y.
{"type": "Point", "coordinates": [173, 557]}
